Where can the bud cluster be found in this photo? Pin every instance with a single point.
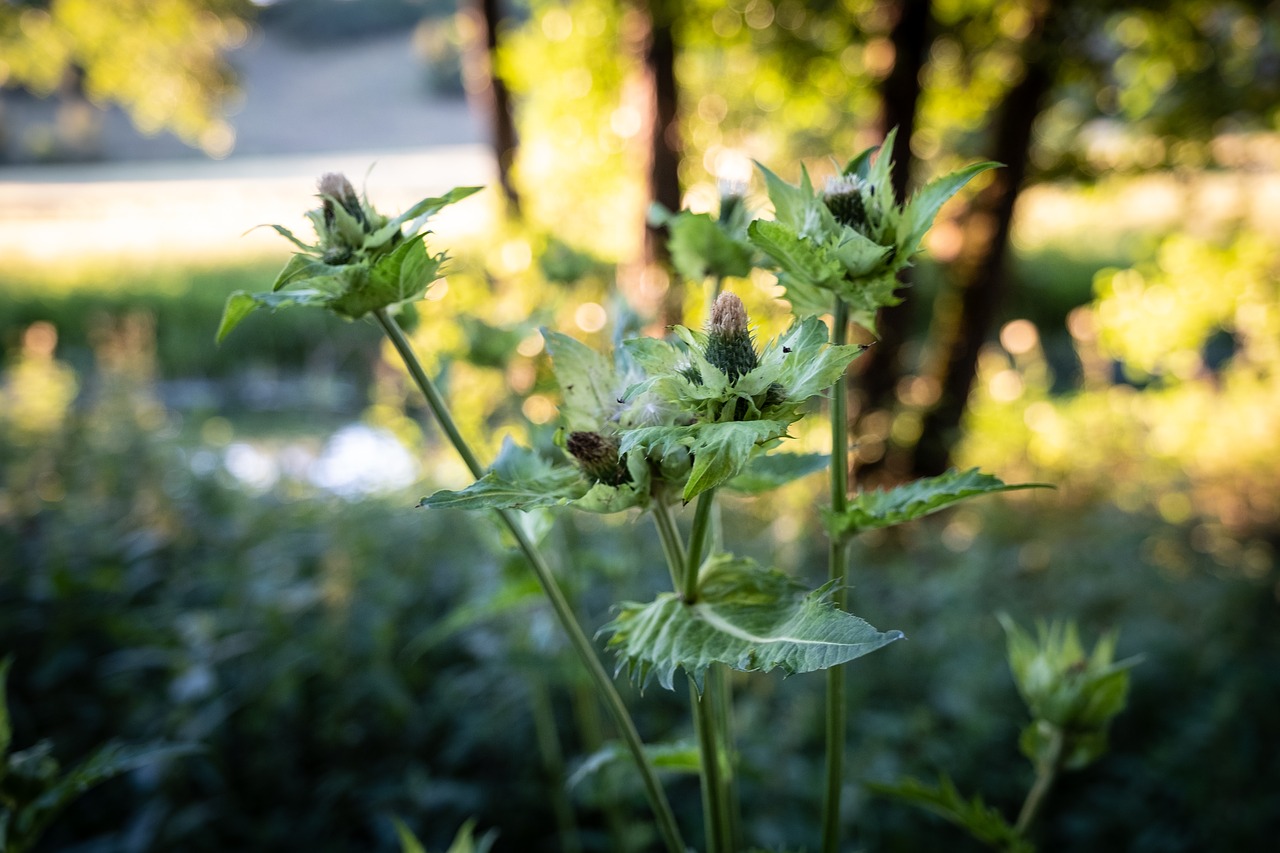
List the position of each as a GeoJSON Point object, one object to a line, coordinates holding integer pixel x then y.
{"type": "Point", "coordinates": [597, 456]}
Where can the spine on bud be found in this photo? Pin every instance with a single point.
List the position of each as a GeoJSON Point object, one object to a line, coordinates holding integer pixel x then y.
{"type": "Point", "coordinates": [597, 456]}
{"type": "Point", "coordinates": [729, 345]}
{"type": "Point", "coordinates": [334, 187]}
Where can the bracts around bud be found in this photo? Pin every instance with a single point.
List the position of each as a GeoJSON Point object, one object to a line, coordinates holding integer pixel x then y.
{"type": "Point", "coordinates": [729, 344]}
{"type": "Point", "coordinates": [597, 456]}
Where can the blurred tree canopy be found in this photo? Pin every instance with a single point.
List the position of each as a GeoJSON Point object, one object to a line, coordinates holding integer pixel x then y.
{"type": "Point", "coordinates": [159, 59]}
{"type": "Point", "coordinates": [1074, 88]}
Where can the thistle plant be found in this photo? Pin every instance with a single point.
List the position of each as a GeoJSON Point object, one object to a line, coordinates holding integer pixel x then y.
{"type": "Point", "coordinates": [1072, 698]}
{"type": "Point", "coordinates": [840, 252]}
{"type": "Point", "coordinates": [659, 424]}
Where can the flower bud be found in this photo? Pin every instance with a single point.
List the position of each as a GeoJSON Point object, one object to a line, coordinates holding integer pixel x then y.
{"type": "Point", "coordinates": [729, 345]}
{"type": "Point", "coordinates": [335, 188]}
{"type": "Point", "coordinates": [844, 198]}
{"type": "Point", "coordinates": [597, 456]}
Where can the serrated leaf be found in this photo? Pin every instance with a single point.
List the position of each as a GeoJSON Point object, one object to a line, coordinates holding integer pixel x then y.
{"type": "Point", "coordinates": [799, 257]}
{"type": "Point", "coordinates": [767, 471]}
{"type": "Point", "coordinates": [983, 822]}
{"type": "Point", "coordinates": [747, 617]}
{"type": "Point", "coordinates": [919, 213]}
{"type": "Point", "coordinates": [700, 248]}
{"type": "Point", "coordinates": [383, 283]}
{"type": "Point", "coordinates": [243, 303]}
{"type": "Point", "coordinates": [519, 479]}
{"type": "Point", "coordinates": [587, 379]}
{"type": "Point", "coordinates": [871, 510]}
{"type": "Point", "coordinates": [680, 757]}
{"type": "Point", "coordinates": [719, 450]}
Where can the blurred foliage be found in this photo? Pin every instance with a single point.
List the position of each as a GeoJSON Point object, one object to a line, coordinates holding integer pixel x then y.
{"type": "Point", "coordinates": [159, 59]}
{"type": "Point", "coordinates": [152, 597]}
{"type": "Point", "coordinates": [1178, 402]}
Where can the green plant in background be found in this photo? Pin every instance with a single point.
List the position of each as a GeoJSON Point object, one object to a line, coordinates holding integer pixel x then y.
{"type": "Point", "coordinates": [659, 424]}
{"type": "Point", "coordinates": [1072, 697]}
{"type": "Point", "coordinates": [34, 789]}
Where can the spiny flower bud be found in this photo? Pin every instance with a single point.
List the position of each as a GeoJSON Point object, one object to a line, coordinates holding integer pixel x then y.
{"type": "Point", "coordinates": [334, 187]}
{"type": "Point", "coordinates": [597, 456]}
{"type": "Point", "coordinates": [844, 198]}
{"type": "Point", "coordinates": [729, 345]}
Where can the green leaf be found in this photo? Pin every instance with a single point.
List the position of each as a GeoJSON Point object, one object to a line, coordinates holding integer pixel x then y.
{"type": "Point", "coordinates": [386, 281]}
{"type": "Point", "coordinates": [425, 209]}
{"type": "Point", "coordinates": [810, 368]}
{"type": "Point", "coordinates": [242, 303]}
{"type": "Point", "coordinates": [700, 248]}
{"type": "Point", "coordinates": [747, 617]}
{"type": "Point", "coordinates": [767, 471]}
{"type": "Point", "coordinates": [719, 450]}
{"type": "Point", "coordinates": [871, 510]}
{"type": "Point", "coordinates": [409, 843]}
{"type": "Point", "coordinates": [519, 479]}
{"type": "Point", "coordinates": [589, 384]}
{"type": "Point", "coordinates": [798, 257]}
{"type": "Point", "coordinates": [680, 757]}
{"type": "Point", "coordinates": [288, 235]}
{"type": "Point", "coordinates": [919, 213]}
{"type": "Point", "coordinates": [106, 763]}
{"type": "Point", "coordinates": [789, 202]}
{"type": "Point", "coordinates": [983, 822]}
{"type": "Point", "coordinates": [302, 268]}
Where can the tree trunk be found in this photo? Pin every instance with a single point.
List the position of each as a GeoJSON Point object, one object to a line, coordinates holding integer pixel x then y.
{"type": "Point", "coordinates": [880, 368]}
{"type": "Point", "coordinates": [664, 145]}
{"type": "Point", "coordinates": [490, 92]}
{"type": "Point", "coordinates": [964, 316]}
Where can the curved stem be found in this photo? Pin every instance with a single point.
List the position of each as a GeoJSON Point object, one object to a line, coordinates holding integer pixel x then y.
{"type": "Point", "coordinates": [559, 604]}
{"type": "Point", "coordinates": [1046, 772]}
{"type": "Point", "coordinates": [669, 536]}
{"type": "Point", "coordinates": [837, 551]}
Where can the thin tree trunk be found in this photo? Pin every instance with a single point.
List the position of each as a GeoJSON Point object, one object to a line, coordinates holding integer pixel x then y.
{"type": "Point", "coordinates": [664, 145]}
{"type": "Point", "coordinates": [880, 368]}
{"type": "Point", "coordinates": [964, 316]}
{"type": "Point", "coordinates": [650, 39]}
{"type": "Point", "coordinates": [487, 88]}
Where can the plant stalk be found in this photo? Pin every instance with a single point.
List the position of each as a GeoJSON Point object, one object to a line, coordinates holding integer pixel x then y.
{"type": "Point", "coordinates": [837, 572]}
{"type": "Point", "coordinates": [708, 714]}
{"type": "Point", "coordinates": [698, 544]}
{"type": "Point", "coordinates": [666, 820]}
{"type": "Point", "coordinates": [1046, 772]}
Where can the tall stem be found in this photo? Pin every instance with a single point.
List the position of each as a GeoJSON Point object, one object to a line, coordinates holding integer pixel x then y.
{"type": "Point", "coordinates": [666, 820]}
{"type": "Point", "coordinates": [708, 715]}
{"type": "Point", "coordinates": [1046, 772]}
{"type": "Point", "coordinates": [697, 544]}
{"type": "Point", "coordinates": [837, 550]}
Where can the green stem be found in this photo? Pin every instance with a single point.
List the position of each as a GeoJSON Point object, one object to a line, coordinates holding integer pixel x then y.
{"type": "Point", "coordinates": [544, 725]}
{"type": "Point", "coordinates": [669, 536]}
{"type": "Point", "coordinates": [697, 544]}
{"type": "Point", "coordinates": [717, 810]}
{"type": "Point", "coordinates": [1046, 772]}
{"type": "Point", "coordinates": [837, 551]}
{"type": "Point", "coordinates": [667, 826]}
{"type": "Point", "coordinates": [714, 803]}
{"type": "Point", "coordinates": [722, 697]}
